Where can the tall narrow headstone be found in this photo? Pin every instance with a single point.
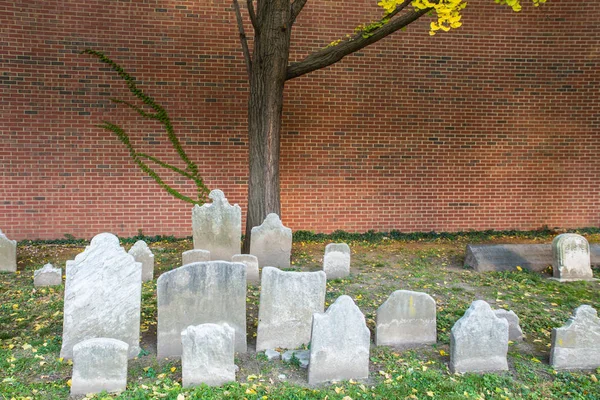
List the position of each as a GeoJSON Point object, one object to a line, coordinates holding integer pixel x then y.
{"type": "Point", "coordinates": [251, 263]}
{"type": "Point", "coordinates": [571, 258]}
{"type": "Point", "coordinates": [288, 301]}
{"type": "Point", "coordinates": [271, 243]}
{"type": "Point", "coordinates": [336, 261]}
{"type": "Point", "coordinates": [8, 254]}
{"type": "Point", "coordinates": [103, 292]}
{"type": "Point", "coordinates": [339, 348]}
{"type": "Point", "coordinates": [200, 293]}
{"type": "Point", "coordinates": [217, 227]}
{"type": "Point", "coordinates": [141, 252]}
{"type": "Point", "coordinates": [47, 276]}
{"type": "Point", "coordinates": [194, 256]}
{"type": "Point", "coordinates": [577, 344]}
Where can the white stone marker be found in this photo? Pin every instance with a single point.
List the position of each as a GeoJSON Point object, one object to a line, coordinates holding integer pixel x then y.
{"type": "Point", "coordinates": [288, 301]}
{"type": "Point", "coordinates": [8, 254]}
{"type": "Point", "coordinates": [207, 356]}
{"type": "Point", "coordinates": [514, 329]}
{"type": "Point", "coordinates": [479, 341]}
{"type": "Point", "coordinates": [271, 243]}
{"type": "Point", "coordinates": [47, 276]}
{"type": "Point", "coordinates": [217, 227]}
{"type": "Point", "coordinates": [142, 253]}
{"type": "Point", "coordinates": [339, 349]}
{"type": "Point", "coordinates": [200, 293]}
{"type": "Point", "coordinates": [571, 258]}
{"type": "Point", "coordinates": [103, 294]}
{"type": "Point", "coordinates": [406, 318]}
{"type": "Point", "coordinates": [336, 262]}
{"type": "Point", "coordinates": [577, 344]}
{"type": "Point", "coordinates": [195, 256]}
{"type": "Point", "coordinates": [99, 364]}
{"type": "Point", "coordinates": [251, 263]}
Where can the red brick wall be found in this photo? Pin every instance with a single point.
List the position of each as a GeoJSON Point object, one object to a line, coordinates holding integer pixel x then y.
{"type": "Point", "coordinates": [494, 125]}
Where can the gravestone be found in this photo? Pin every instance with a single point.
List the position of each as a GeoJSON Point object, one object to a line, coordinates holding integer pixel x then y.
{"type": "Point", "coordinates": [103, 292]}
{"type": "Point", "coordinates": [406, 318]}
{"type": "Point", "coordinates": [8, 254]}
{"type": "Point", "coordinates": [571, 258]}
{"type": "Point", "coordinates": [339, 348]}
{"type": "Point", "coordinates": [336, 262]}
{"type": "Point", "coordinates": [217, 227]}
{"type": "Point", "coordinates": [199, 293]}
{"type": "Point", "coordinates": [141, 252]}
{"type": "Point", "coordinates": [207, 355]}
{"type": "Point", "coordinates": [514, 329]}
{"type": "Point", "coordinates": [99, 364]}
{"type": "Point", "coordinates": [195, 256]}
{"type": "Point", "coordinates": [577, 344]}
{"type": "Point", "coordinates": [251, 263]}
{"type": "Point", "coordinates": [479, 341]}
{"type": "Point", "coordinates": [303, 357]}
{"type": "Point", "coordinates": [288, 301]}
{"type": "Point", "coordinates": [47, 276]}
{"type": "Point", "coordinates": [271, 243]}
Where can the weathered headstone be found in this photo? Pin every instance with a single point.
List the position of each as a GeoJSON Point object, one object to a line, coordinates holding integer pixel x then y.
{"type": "Point", "coordinates": [142, 253]}
{"type": "Point", "coordinates": [514, 329]}
{"type": "Point", "coordinates": [288, 301]}
{"type": "Point", "coordinates": [207, 355]}
{"type": "Point", "coordinates": [251, 263]}
{"type": "Point", "coordinates": [406, 318]}
{"type": "Point", "coordinates": [195, 256]}
{"type": "Point", "coordinates": [571, 258]}
{"type": "Point", "coordinates": [8, 254]}
{"type": "Point", "coordinates": [336, 261]}
{"type": "Point", "coordinates": [577, 344]}
{"type": "Point", "coordinates": [479, 341]}
{"type": "Point", "coordinates": [339, 348]}
{"type": "Point", "coordinates": [217, 227]}
{"type": "Point", "coordinates": [103, 292]}
{"type": "Point", "coordinates": [47, 276]}
{"type": "Point", "coordinates": [271, 243]}
{"type": "Point", "coordinates": [99, 364]}
{"type": "Point", "coordinates": [199, 293]}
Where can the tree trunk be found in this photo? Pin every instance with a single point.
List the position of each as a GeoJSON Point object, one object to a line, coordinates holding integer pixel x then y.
{"type": "Point", "coordinates": [267, 79]}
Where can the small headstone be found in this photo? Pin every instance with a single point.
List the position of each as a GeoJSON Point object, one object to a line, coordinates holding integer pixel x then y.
{"type": "Point", "coordinates": [217, 227]}
{"type": "Point", "coordinates": [251, 263]}
{"type": "Point", "coordinates": [271, 243]}
{"type": "Point", "coordinates": [571, 258]}
{"type": "Point", "coordinates": [272, 354]}
{"type": "Point", "coordinates": [199, 293]}
{"type": "Point", "coordinates": [303, 357]}
{"type": "Point", "coordinates": [103, 294]}
{"type": "Point", "coordinates": [336, 262]}
{"type": "Point", "coordinates": [8, 254]}
{"type": "Point", "coordinates": [195, 256]}
{"type": "Point", "coordinates": [339, 349]}
{"type": "Point", "coordinates": [99, 364]}
{"type": "Point", "coordinates": [514, 329]}
{"type": "Point", "coordinates": [577, 344]}
{"type": "Point", "coordinates": [47, 276]}
{"type": "Point", "coordinates": [479, 341]}
{"type": "Point", "coordinates": [406, 318]}
{"type": "Point", "coordinates": [287, 302]}
{"type": "Point", "coordinates": [142, 253]}
{"type": "Point", "coordinates": [208, 355]}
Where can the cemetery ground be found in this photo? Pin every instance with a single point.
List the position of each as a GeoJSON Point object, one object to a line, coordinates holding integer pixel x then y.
{"type": "Point", "coordinates": [31, 324]}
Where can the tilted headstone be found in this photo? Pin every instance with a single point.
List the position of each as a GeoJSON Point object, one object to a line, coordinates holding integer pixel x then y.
{"type": "Point", "coordinates": [514, 329]}
{"type": "Point", "coordinates": [336, 262]}
{"type": "Point", "coordinates": [339, 348]}
{"type": "Point", "coordinates": [8, 254]}
{"type": "Point", "coordinates": [406, 318]}
{"type": "Point", "coordinates": [195, 256]}
{"type": "Point", "coordinates": [199, 293]}
{"type": "Point", "coordinates": [142, 253]}
{"type": "Point", "coordinates": [271, 243]}
{"type": "Point", "coordinates": [251, 263]}
{"type": "Point", "coordinates": [99, 364]}
{"type": "Point", "coordinates": [288, 301]}
{"type": "Point", "coordinates": [208, 355]}
{"type": "Point", "coordinates": [47, 276]}
{"type": "Point", "coordinates": [571, 258]}
{"type": "Point", "coordinates": [479, 341]}
{"type": "Point", "coordinates": [577, 344]}
{"type": "Point", "coordinates": [103, 293]}
{"type": "Point", "coordinates": [217, 227]}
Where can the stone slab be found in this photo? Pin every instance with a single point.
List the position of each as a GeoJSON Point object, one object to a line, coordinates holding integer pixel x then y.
{"type": "Point", "coordinates": [571, 258]}
{"type": "Point", "coordinates": [577, 344]}
{"type": "Point", "coordinates": [303, 357]}
{"type": "Point", "coordinates": [251, 263]}
{"type": "Point", "coordinates": [47, 276]}
{"type": "Point", "coordinates": [514, 328]}
{"type": "Point", "coordinates": [195, 256]}
{"type": "Point", "coordinates": [271, 243]}
{"type": "Point", "coordinates": [142, 253]}
{"type": "Point", "coordinates": [336, 261]}
{"type": "Point", "coordinates": [99, 364]}
{"type": "Point", "coordinates": [8, 254]}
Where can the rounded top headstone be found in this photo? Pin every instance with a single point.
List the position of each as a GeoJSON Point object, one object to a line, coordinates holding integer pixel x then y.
{"type": "Point", "coordinates": [105, 239]}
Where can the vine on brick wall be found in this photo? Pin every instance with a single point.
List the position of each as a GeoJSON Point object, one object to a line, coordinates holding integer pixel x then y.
{"type": "Point", "coordinates": [160, 115]}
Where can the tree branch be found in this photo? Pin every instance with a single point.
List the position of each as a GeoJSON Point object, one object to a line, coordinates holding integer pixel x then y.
{"type": "Point", "coordinates": [330, 55]}
{"type": "Point", "coordinates": [252, 14]}
{"type": "Point", "coordinates": [243, 40]}
{"type": "Point", "coordinates": [297, 6]}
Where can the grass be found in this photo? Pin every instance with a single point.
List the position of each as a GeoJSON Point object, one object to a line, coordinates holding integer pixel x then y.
{"type": "Point", "coordinates": [31, 325]}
